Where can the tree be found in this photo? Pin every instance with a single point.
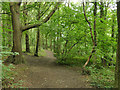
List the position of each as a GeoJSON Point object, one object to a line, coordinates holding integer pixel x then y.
{"type": "Point", "coordinates": [117, 71]}
{"type": "Point", "coordinates": [92, 37]}
{"type": "Point", "coordinates": [25, 13]}
{"type": "Point", "coordinates": [38, 33]}
{"type": "Point", "coordinates": [18, 29]}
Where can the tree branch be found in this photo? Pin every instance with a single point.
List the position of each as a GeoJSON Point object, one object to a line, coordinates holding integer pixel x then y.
{"type": "Point", "coordinates": [5, 13]}
{"type": "Point", "coordinates": [44, 20]}
{"type": "Point", "coordinates": [42, 13]}
{"type": "Point", "coordinates": [88, 23]}
{"type": "Point", "coordinates": [72, 46]}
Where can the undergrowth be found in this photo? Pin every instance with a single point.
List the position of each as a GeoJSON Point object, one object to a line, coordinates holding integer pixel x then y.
{"type": "Point", "coordinates": [8, 74]}
{"type": "Point", "coordinates": [72, 61]}
{"type": "Point", "coordinates": [8, 77]}
{"type": "Point", "coordinates": [103, 77]}
{"type": "Point", "coordinates": [100, 77]}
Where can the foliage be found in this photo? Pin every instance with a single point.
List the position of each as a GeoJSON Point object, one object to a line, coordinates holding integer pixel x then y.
{"type": "Point", "coordinates": [103, 77]}
{"type": "Point", "coordinates": [68, 35]}
{"type": "Point", "coordinates": [8, 75]}
{"type": "Point", "coordinates": [74, 61]}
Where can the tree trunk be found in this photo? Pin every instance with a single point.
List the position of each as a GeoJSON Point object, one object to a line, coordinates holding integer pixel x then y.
{"type": "Point", "coordinates": [37, 46]}
{"type": "Point", "coordinates": [95, 35]}
{"type": "Point", "coordinates": [117, 70]}
{"type": "Point", "coordinates": [18, 29]}
{"type": "Point", "coordinates": [43, 44]}
{"type": "Point", "coordinates": [93, 38]}
{"type": "Point", "coordinates": [17, 34]}
{"type": "Point", "coordinates": [51, 44]}
{"type": "Point", "coordinates": [58, 50]}
{"type": "Point", "coordinates": [38, 35]}
{"type": "Point", "coordinates": [113, 31]}
{"type": "Point", "coordinates": [46, 46]}
{"type": "Point", "coordinates": [27, 43]}
{"type": "Point", "coordinates": [54, 45]}
{"type": "Point", "coordinates": [112, 36]}
{"type": "Point", "coordinates": [25, 22]}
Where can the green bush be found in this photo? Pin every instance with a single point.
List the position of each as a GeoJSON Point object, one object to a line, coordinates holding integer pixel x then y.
{"type": "Point", "coordinates": [72, 61]}
{"type": "Point", "coordinates": [102, 78]}
{"type": "Point", "coordinates": [8, 75]}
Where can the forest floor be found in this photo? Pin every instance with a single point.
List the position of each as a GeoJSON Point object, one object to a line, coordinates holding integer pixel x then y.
{"type": "Point", "coordinates": [43, 72]}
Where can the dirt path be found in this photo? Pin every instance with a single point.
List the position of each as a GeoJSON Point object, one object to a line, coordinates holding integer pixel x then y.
{"type": "Point", "coordinates": [42, 72]}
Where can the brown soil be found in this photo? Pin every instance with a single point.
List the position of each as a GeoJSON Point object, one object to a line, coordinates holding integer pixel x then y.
{"type": "Point", "coordinates": [42, 72]}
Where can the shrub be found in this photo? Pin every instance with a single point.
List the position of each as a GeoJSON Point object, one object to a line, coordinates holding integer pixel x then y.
{"type": "Point", "coordinates": [102, 78]}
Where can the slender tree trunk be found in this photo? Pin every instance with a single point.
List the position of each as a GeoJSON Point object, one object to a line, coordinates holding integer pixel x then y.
{"type": "Point", "coordinates": [25, 22]}
{"type": "Point", "coordinates": [113, 27]}
{"type": "Point", "coordinates": [95, 35]}
{"type": "Point", "coordinates": [54, 45]}
{"type": "Point", "coordinates": [27, 43]}
{"type": "Point", "coordinates": [117, 70]}
{"type": "Point", "coordinates": [51, 44]}
{"type": "Point", "coordinates": [37, 45]}
{"type": "Point", "coordinates": [95, 12]}
{"type": "Point", "coordinates": [43, 44]}
{"type": "Point", "coordinates": [38, 35]}
{"type": "Point", "coordinates": [93, 38]}
{"type": "Point", "coordinates": [9, 33]}
{"type": "Point", "coordinates": [57, 43]}
{"type": "Point", "coordinates": [46, 46]}
{"type": "Point", "coordinates": [60, 43]}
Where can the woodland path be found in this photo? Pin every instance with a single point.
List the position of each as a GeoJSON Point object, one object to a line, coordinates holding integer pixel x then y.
{"type": "Point", "coordinates": [42, 72]}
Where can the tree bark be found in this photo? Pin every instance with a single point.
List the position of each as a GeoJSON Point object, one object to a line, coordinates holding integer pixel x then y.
{"type": "Point", "coordinates": [25, 22]}
{"type": "Point", "coordinates": [43, 44]}
{"type": "Point", "coordinates": [17, 34]}
{"type": "Point", "coordinates": [113, 32]}
{"type": "Point", "coordinates": [27, 43]}
{"type": "Point", "coordinates": [18, 29]}
{"type": "Point", "coordinates": [51, 44]}
{"type": "Point", "coordinates": [37, 45]}
{"type": "Point", "coordinates": [95, 12]}
{"type": "Point", "coordinates": [117, 70]}
{"type": "Point", "coordinates": [95, 34]}
{"type": "Point", "coordinates": [46, 46]}
{"type": "Point", "coordinates": [38, 35]}
{"type": "Point", "coordinates": [54, 45]}
{"type": "Point", "coordinates": [93, 38]}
